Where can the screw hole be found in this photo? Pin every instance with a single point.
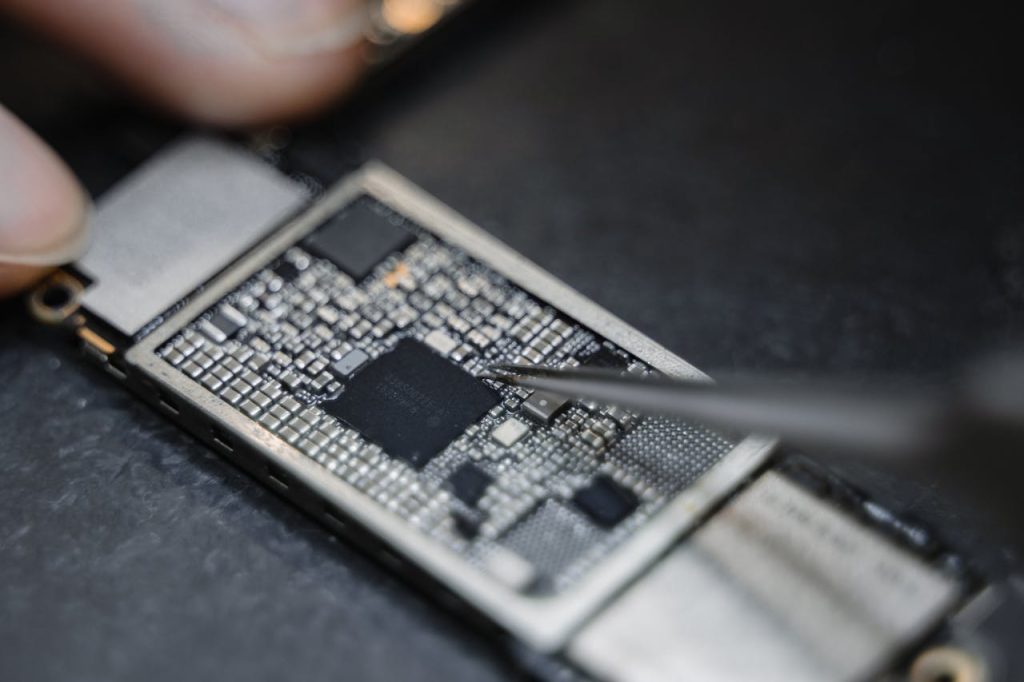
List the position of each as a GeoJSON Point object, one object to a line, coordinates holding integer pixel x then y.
{"type": "Point", "coordinates": [56, 299]}
{"type": "Point", "coordinates": [56, 296]}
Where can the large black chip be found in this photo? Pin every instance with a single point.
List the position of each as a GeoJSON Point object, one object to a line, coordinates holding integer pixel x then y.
{"type": "Point", "coordinates": [358, 239]}
{"type": "Point", "coordinates": [412, 402]}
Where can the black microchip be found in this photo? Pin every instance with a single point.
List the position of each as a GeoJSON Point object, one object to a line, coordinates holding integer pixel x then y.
{"type": "Point", "coordinates": [469, 483]}
{"type": "Point", "coordinates": [412, 402]}
{"type": "Point", "coordinates": [468, 526]}
{"type": "Point", "coordinates": [358, 239]}
{"type": "Point", "coordinates": [605, 501]}
{"type": "Point", "coordinates": [603, 357]}
{"type": "Point", "coordinates": [286, 270]}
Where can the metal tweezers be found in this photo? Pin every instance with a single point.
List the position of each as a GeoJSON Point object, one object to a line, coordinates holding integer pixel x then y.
{"type": "Point", "coordinates": [868, 421]}
{"type": "Point", "coordinates": [808, 415]}
{"type": "Point", "coordinates": [969, 439]}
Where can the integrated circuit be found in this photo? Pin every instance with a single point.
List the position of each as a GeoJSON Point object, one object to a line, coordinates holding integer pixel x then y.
{"type": "Point", "coordinates": [606, 502]}
{"type": "Point", "coordinates": [469, 483]}
{"type": "Point", "coordinates": [604, 358]}
{"type": "Point", "coordinates": [286, 270]}
{"type": "Point", "coordinates": [412, 402]}
{"type": "Point", "coordinates": [357, 239]}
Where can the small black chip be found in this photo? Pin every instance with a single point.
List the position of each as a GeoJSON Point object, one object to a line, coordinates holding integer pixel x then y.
{"type": "Point", "coordinates": [412, 402]}
{"type": "Point", "coordinates": [469, 483]}
{"type": "Point", "coordinates": [465, 525]}
{"type": "Point", "coordinates": [286, 270]}
{"type": "Point", "coordinates": [604, 357]}
{"type": "Point", "coordinates": [605, 501]}
{"type": "Point", "coordinates": [358, 239]}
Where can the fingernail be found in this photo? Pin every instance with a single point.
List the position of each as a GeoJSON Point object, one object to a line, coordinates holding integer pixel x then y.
{"type": "Point", "coordinates": [296, 27]}
{"type": "Point", "coordinates": [43, 210]}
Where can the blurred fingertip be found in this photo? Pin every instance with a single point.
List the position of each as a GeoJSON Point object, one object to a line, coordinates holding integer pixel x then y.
{"type": "Point", "coordinates": [16, 278]}
{"type": "Point", "coordinates": [226, 63]}
{"type": "Point", "coordinates": [43, 209]}
{"type": "Point", "coordinates": [248, 94]}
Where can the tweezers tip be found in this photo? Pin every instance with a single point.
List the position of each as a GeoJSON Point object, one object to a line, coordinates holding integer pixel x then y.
{"type": "Point", "coordinates": [501, 373]}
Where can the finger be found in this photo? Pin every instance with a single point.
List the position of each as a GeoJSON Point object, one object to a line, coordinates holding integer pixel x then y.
{"type": "Point", "coordinates": [223, 62]}
{"type": "Point", "coordinates": [42, 207]}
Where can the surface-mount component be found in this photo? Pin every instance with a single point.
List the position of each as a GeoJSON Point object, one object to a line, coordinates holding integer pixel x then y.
{"type": "Point", "coordinates": [286, 270]}
{"type": "Point", "coordinates": [510, 568]}
{"type": "Point", "coordinates": [347, 365]}
{"type": "Point", "coordinates": [605, 502]}
{"type": "Point", "coordinates": [440, 342]}
{"type": "Point", "coordinates": [412, 402]}
{"type": "Point", "coordinates": [543, 406]}
{"type": "Point", "coordinates": [227, 320]}
{"type": "Point", "coordinates": [469, 483]}
{"type": "Point", "coordinates": [509, 432]}
{"type": "Point", "coordinates": [357, 239]}
{"type": "Point", "coordinates": [604, 358]}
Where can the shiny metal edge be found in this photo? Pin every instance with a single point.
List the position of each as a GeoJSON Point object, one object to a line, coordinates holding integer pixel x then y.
{"type": "Point", "coordinates": [545, 623]}
{"type": "Point", "coordinates": [780, 585]}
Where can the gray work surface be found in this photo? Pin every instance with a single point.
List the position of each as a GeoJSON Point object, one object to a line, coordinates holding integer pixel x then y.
{"type": "Point", "coordinates": [759, 186]}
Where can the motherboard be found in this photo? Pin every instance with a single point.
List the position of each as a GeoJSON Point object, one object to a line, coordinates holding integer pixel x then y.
{"type": "Point", "coordinates": [366, 346]}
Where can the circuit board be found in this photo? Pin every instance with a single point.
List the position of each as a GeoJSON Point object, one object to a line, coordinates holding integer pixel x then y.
{"type": "Point", "coordinates": [366, 347]}
{"type": "Point", "coordinates": [341, 350]}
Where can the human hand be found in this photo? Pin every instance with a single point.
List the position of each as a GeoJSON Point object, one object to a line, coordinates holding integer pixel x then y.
{"type": "Point", "coordinates": [226, 63]}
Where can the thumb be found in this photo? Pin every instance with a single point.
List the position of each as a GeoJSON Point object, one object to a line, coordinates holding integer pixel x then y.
{"type": "Point", "coordinates": [42, 207]}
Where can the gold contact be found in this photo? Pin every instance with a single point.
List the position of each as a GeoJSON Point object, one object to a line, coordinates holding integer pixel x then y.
{"type": "Point", "coordinates": [95, 340]}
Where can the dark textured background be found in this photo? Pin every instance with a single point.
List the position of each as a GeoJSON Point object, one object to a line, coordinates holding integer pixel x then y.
{"type": "Point", "coordinates": [760, 186]}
